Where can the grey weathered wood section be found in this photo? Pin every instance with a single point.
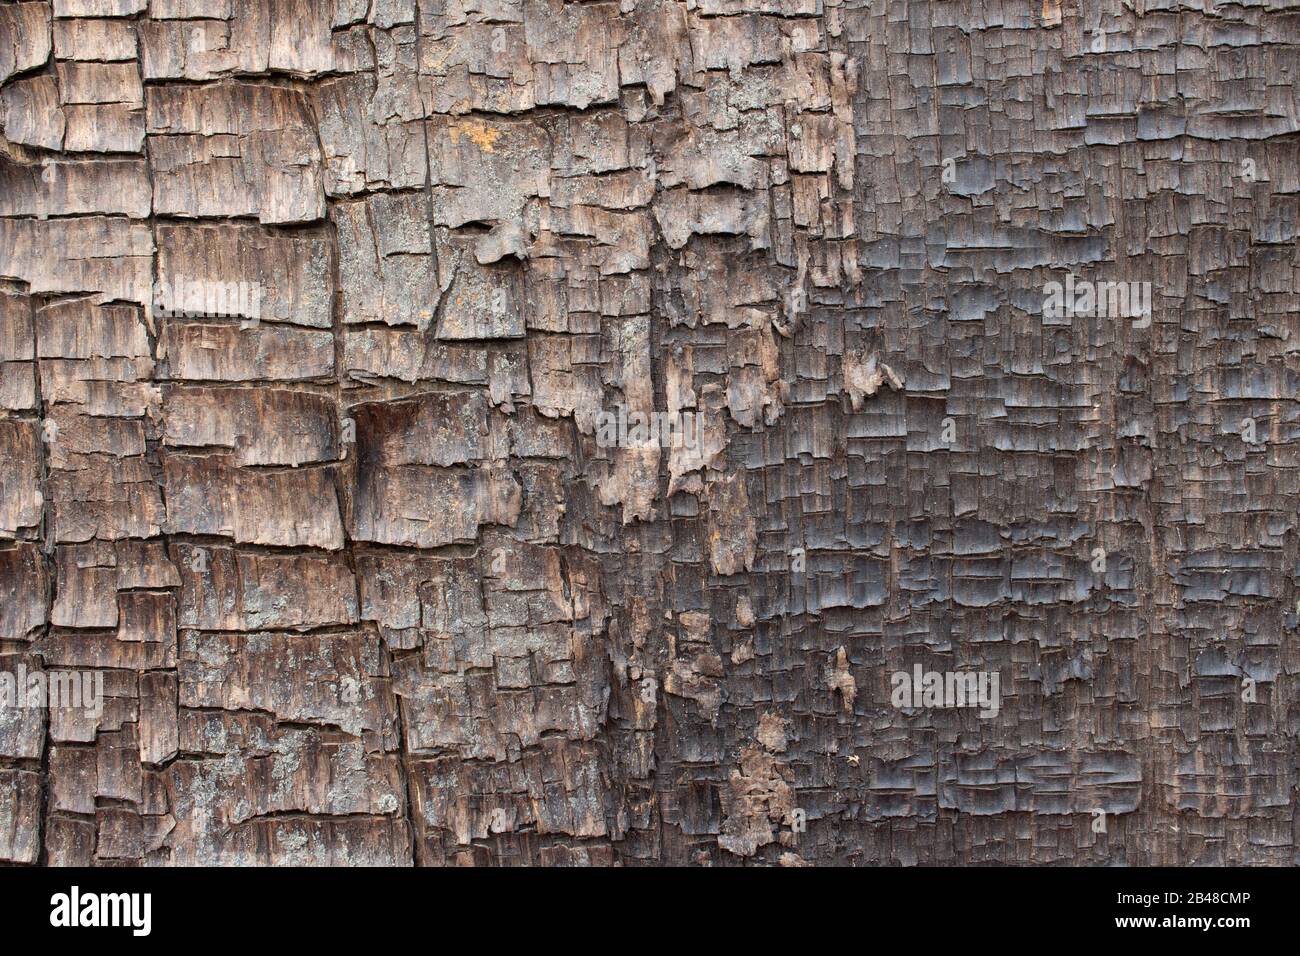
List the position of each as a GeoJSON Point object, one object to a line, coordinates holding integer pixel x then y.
{"type": "Point", "coordinates": [309, 313]}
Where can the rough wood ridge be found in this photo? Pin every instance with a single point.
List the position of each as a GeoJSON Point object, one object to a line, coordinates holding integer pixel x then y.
{"type": "Point", "coordinates": [329, 330]}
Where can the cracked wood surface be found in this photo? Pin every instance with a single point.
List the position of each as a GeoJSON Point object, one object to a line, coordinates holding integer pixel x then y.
{"type": "Point", "coordinates": [309, 310]}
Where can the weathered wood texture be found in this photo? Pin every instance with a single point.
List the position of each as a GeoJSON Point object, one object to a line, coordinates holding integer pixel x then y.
{"type": "Point", "coordinates": [308, 310]}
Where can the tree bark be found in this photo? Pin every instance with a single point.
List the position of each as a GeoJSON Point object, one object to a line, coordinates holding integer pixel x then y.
{"type": "Point", "coordinates": [721, 432]}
